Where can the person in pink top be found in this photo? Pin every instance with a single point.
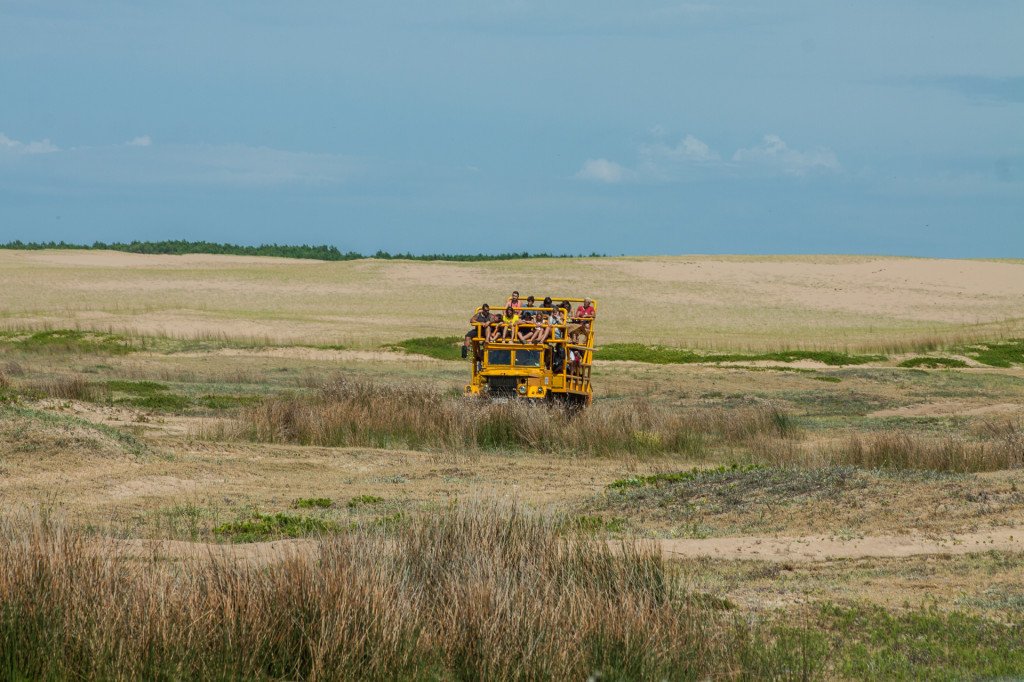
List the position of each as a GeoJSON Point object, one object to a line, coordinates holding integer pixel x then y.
{"type": "Point", "coordinates": [514, 301]}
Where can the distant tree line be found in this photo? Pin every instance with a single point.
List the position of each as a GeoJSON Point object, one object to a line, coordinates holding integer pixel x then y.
{"type": "Point", "coordinates": [316, 252]}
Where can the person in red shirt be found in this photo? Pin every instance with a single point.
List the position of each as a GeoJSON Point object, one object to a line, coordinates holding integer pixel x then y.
{"type": "Point", "coordinates": [584, 314]}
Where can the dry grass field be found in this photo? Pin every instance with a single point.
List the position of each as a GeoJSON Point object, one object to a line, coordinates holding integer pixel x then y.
{"type": "Point", "coordinates": [253, 484]}
{"type": "Point", "coordinates": [733, 303]}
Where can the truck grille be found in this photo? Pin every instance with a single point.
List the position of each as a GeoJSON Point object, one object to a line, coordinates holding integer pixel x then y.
{"type": "Point", "coordinates": [501, 385]}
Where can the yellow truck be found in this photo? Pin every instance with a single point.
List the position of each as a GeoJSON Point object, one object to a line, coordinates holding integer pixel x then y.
{"type": "Point", "coordinates": [545, 354]}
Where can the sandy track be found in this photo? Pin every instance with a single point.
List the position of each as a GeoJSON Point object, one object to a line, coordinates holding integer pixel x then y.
{"type": "Point", "coordinates": [805, 549]}
{"type": "Point", "coordinates": [824, 548]}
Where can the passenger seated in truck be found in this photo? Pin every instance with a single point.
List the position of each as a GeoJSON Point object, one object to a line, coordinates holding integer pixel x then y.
{"type": "Point", "coordinates": [556, 319]}
{"type": "Point", "coordinates": [514, 301]}
{"type": "Point", "coordinates": [483, 319]}
{"type": "Point", "coordinates": [527, 314]}
{"type": "Point", "coordinates": [495, 327]}
{"type": "Point", "coordinates": [557, 358]}
{"type": "Point", "coordinates": [547, 303]}
{"type": "Point", "coordinates": [509, 323]}
{"type": "Point", "coordinates": [541, 329]}
{"type": "Point", "coordinates": [575, 358]}
{"type": "Point", "coordinates": [584, 314]}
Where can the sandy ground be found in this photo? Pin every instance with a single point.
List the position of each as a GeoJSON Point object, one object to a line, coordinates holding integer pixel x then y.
{"type": "Point", "coordinates": [316, 354]}
{"type": "Point", "coordinates": [703, 301]}
{"type": "Point", "coordinates": [824, 548]}
{"type": "Point", "coordinates": [754, 548]}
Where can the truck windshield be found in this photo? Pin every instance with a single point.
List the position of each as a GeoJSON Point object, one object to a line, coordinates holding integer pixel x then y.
{"type": "Point", "coordinates": [527, 358]}
{"type": "Point", "coordinates": [499, 357]}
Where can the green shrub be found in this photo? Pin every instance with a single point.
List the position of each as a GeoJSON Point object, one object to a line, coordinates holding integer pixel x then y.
{"type": "Point", "coordinates": [313, 503]}
{"type": "Point", "coordinates": [998, 354]}
{"type": "Point", "coordinates": [68, 341]}
{"type": "Point", "coordinates": [440, 347]}
{"type": "Point", "coordinates": [270, 526]}
{"type": "Point", "coordinates": [675, 477]}
{"type": "Point", "coordinates": [364, 500]}
{"type": "Point", "coordinates": [933, 363]}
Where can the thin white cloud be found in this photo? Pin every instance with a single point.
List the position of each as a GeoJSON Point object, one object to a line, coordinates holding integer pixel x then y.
{"type": "Point", "coordinates": [39, 147]}
{"type": "Point", "coordinates": [773, 152]}
{"type": "Point", "coordinates": [691, 158]}
{"type": "Point", "coordinates": [689, 148]}
{"type": "Point", "coordinates": [183, 164]}
{"type": "Point", "coordinates": [603, 170]}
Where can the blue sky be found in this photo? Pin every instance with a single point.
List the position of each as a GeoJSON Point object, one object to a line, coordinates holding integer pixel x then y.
{"type": "Point", "coordinates": [636, 128]}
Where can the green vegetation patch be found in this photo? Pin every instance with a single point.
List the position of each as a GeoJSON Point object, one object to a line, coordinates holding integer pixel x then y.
{"type": "Point", "coordinates": [598, 524]}
{"type": "Point", "coordinates": [874, 643]}
{"type": "Point", "coordinates": [149, 395]}
{"type": "Point", "coordinates": [313, 503]}
{"type": "Point", "coordinates": [226, 402]}
{"type": "Point", "coordinates": [676, 477]}
{"type": "Point", "coordinates": [727, 489]}
{"type": "Point", "coordinates": [933, 363]}
{"type": "Point", "coordinates": [659, 355]}
{"type": "Point", "coordinates": [67, 341]}
{"type": "Point", "coordinates": [1004, 354]}
{"type": "Point", "coordinates": [139, 388]}
{"type": "Point", "coordinates": [126, 440]}
{"type": "Point", "coordinates": [440, 347]}
{"type": "Point", "coordinates": [363, 501]}
{"type": "Point", "coordinates": [273, 526]}
{"type": "Point", "coordinates": [663, 355]}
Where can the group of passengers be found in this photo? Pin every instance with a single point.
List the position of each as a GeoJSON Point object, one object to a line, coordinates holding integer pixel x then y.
{"type": "Point", "coordinates": [529, 323]}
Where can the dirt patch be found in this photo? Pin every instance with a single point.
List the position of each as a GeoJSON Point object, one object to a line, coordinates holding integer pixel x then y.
{"type": "Point", "coordinates": [318, 354]}
{"type": "Point", "coordinates": [754, 548]}
{"type": "Point", "coordinates": [824, 548]}
{"type": "Point", "coordinates": [949, 408]}
{"type": "Point", "coordinates": [149, 486]}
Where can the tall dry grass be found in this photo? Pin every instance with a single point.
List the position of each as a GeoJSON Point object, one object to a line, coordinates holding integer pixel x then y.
{"type": "Point", "coordinates": [481, 593]}
{"type": "Point", "coordinates": [344, 413]}
{"type": "Point", "coordinates": [904, 450]}
{"type": "Point", "coordinates": [899, 450]}
{"type": "Point", "coordinates": [65, 387]}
